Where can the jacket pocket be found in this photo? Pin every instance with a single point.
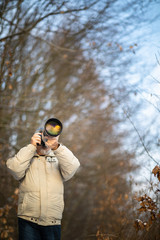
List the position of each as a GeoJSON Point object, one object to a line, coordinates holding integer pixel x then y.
{"type": "Point", "coordinates": [55, 205]}
{"type": "Point", "coordinates": [29, 204]}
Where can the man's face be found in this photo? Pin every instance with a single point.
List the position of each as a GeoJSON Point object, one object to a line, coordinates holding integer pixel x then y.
{"type": "Point", "coordinates": [50, 143]}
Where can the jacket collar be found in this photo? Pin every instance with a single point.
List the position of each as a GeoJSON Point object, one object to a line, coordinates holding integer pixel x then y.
{"type": "Point", "coordinates": [51, 154]}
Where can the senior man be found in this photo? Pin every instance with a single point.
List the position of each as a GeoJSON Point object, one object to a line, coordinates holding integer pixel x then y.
{"type": "Point", "coordinates": [41, 171]}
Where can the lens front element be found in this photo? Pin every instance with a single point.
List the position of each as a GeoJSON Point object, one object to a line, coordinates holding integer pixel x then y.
{"type": "Point", "coordinates": [53, 127]}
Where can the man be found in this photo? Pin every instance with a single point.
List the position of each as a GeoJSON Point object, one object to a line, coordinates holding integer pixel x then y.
{"type": "Point", "coordinates": [41, 171]}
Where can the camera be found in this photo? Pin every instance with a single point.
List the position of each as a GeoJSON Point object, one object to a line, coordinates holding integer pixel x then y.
{"type": "Point", "coordinates": [52, 128]}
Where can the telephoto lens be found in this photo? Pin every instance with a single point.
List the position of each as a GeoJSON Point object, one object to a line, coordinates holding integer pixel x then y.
{"type": "Point", "coordinates": [53, 127]}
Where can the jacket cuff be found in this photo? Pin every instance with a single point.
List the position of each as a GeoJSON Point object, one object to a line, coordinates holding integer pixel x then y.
{"type": "Point", "coordinates": [31, 148]}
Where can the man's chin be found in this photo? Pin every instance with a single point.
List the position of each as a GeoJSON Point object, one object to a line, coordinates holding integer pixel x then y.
{"type": "Point", "coordinates": [43, 150]}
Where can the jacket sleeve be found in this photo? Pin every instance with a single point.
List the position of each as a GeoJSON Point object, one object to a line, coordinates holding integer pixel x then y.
{"type": "Point", "coordinates": [68, 163]}
{"type": "Point", "coordinates": [18, 164]}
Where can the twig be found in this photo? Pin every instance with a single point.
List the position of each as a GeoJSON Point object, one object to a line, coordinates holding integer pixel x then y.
{"type": "Point", "coordinates": [157, 59]}
{"type": "Point", "coordinates": [142, 142]}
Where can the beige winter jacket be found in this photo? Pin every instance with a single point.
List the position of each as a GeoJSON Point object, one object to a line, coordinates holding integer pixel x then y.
{"type": "Point", "coordinates": [41, 182]}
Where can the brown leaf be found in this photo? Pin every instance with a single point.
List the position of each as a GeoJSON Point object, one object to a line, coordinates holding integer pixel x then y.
{"type": "Point", "coordinates": [142, 209]}
{"type": "Point", "coordinates": [65, 56]}
{"type": "Point", "coordinates": [120, 48]}
{"type": "Point", "coordinates": [11, 229]}
{"type": "Point", "coordinates": [1, 212]}
{"type": "Point", "coordinates": [155, 170]}
{"type": "Point", "coordinates": [16, 191]}
{"type": "Point", "coordinates": [138, 224]}
{"type": "Point", "coordinates": [4, 221]}
{"type": "Point", "coordinates": [7, 62]}
{"type": "Point", "coordinates": [10, 73]}
{"type": "Point", "coordinates": [10, 86]}
{"type": "Point", "coordinates": [4, 234]}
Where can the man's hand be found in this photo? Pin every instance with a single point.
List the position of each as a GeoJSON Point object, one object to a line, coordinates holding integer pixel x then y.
{"type": "Point", "coordinates": [52, 143]}
{"type": "Point", "coordinates": [36, 138]}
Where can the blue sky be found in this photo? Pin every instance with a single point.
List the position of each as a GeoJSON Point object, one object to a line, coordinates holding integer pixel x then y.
{"type": "Point", "coordinates": [145, 71]}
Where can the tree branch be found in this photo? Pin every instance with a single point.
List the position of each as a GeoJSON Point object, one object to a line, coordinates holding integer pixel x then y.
{"type": "Point", "coordinates": [142, 142]}
{"type": "Point", "coordinates": [42, 18]}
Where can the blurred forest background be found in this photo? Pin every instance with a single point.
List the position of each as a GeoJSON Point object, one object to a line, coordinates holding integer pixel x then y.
{"type": "Point", "coordinates": [79, 61]}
